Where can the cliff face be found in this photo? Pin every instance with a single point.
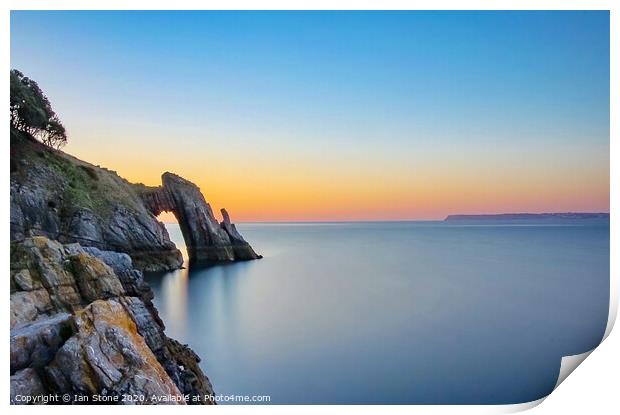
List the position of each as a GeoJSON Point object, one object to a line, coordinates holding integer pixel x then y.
{"type": "Point", "coordinates": [206, 239]}
{"type": "Point", "coordinates": [65, 199]}
{"type": "Point", "coordinates": [82, 319]}
{"type": "Point", "coordinates": [82, 323]}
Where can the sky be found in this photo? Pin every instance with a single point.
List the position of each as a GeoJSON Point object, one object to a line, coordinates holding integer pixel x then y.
{"type": "Point", "coordinates": [336, 116]}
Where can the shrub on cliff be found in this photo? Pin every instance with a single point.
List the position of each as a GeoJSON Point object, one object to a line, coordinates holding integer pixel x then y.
{"type": "Point", "coordinates": [31, 111]}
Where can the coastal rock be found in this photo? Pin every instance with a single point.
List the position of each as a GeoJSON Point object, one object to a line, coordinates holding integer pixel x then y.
{"type": "Point", "coordinates": [117, 261]}
{"type": "Point", "coordinates": [65, 199]}
{"type": "Point", "coordinates": [83, 320]}
{"type": "Point", "coordinates": [82, 317]}
{"type": "Point", "coordinates": [27, 305]}
{"type": "Point", "coordinates": [94, 278]}
{"type": "Point", "coordinates": [205, 238]}
{"type": "Point", "coordinates": [35, 344]}
{"type": "Point", "coordinates": [46, 278]}
{"type": "Point", "coordinates": [188, 373]}
{"type": "Point", "coordinates": [241, 248]}
{"type": "Point", "coordinates": [26, 383]}
{"type": "Point", "coordinates": [179, 361]}
{"type": "Point", "coordinates": [107, 354]}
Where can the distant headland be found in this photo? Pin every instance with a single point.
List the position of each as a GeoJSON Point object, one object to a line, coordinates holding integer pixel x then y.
{"type": "Point", "coordinates": [530, 216]}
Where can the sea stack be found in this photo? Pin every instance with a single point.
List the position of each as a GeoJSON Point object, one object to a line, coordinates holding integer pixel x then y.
{"type": "Point", "coordinates": [66, 199]}
{"type": "Point", "coordinates": [206, 239]}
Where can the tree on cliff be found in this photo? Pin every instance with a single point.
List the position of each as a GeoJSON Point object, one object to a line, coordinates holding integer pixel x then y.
{"type": "Point", "coordinates": [31, 111]}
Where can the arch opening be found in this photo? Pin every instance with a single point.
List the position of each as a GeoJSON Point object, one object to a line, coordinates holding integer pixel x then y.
{"type": "Point", "coordinates": [179, 204]}
{"type": "Point", "coordinates": [166, 216]}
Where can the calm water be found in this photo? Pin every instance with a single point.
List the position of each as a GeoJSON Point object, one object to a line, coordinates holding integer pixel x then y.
{"type": "Point", "coordinates": [410, 312]}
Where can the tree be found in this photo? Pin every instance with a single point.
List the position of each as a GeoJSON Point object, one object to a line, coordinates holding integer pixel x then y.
{"type": "Point", "coordinates": [31, 112]}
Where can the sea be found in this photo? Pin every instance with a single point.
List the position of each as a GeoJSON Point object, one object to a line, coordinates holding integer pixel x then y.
{"type": "Point", "coordinates": [463, 312]}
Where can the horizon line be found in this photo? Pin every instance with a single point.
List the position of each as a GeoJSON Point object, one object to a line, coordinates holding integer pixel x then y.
{"type": "Point", "coordinates": [417, 220]}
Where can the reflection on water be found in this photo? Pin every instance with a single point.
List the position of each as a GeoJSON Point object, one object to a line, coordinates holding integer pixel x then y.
{"type": "Point", "coordinates": [393, 312]}
{"type": "Point", "coordinates": [173, 300]}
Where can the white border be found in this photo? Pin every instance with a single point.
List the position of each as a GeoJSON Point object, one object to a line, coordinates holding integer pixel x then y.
{"type": "Point", "coordinates": [568, 407]}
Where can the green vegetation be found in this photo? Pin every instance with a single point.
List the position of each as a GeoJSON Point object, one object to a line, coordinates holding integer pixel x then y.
{"type": "Point", "coordinates": [80, 185]}
{"type": "Point", "coordinates": [77, 184]}
{"type": "Point", "coordinates": [31, 111]}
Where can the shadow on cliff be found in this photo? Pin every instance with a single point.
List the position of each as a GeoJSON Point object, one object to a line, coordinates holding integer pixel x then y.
{"type": "Point", "coordinates": [63, 198]}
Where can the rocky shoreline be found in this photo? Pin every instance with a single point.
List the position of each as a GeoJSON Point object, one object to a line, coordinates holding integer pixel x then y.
{"type": "Point", "coordinates": [66, 199]}
{"type": "Point", "coordinates": [83, 325]}
{"type": "Point", "coordinates": [206, 239]}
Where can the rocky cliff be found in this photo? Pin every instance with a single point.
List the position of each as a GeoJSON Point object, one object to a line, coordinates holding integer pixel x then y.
{"type": "Point", "coordinates": [83, 326]}
{"type": "Point", "coordinates": [66, 199]}
{"type": "Point", "coordinates": [205, 238]}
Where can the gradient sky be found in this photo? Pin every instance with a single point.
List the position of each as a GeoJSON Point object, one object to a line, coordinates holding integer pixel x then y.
{"type": "Point", "coordinates": [336, 115]}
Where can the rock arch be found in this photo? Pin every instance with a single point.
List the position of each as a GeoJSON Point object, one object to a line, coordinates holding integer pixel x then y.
{"type": "Point", "coordinates": [206, 239]}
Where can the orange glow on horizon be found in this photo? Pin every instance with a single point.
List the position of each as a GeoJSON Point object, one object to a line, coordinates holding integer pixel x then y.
{"type": "Point", "coordinates": [319, 186]}
{"type": "Point", "coordinates": [323, 198]}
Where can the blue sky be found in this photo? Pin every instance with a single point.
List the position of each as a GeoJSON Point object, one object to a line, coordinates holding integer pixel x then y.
{"type": "Point", "coordinates": [417, 97]}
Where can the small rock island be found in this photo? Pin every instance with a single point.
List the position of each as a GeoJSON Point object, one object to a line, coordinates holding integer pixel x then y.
{"type": "Point", "coordinates": [530, 216]}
